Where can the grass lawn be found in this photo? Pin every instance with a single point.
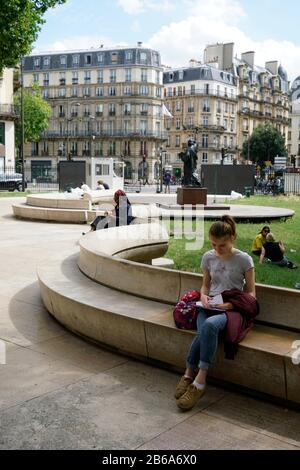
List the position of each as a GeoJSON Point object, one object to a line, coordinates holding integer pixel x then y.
{"type": "Point", "coordinates": [288, 232]}
{"type": "Point", "coordinates": [13, 193]}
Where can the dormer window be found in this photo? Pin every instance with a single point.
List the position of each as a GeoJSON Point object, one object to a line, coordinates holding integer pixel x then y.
{"type": "Point", "coordinates": [37, 61]}
{"type": "Point", "coordinates": [114, 57]}
{"type": "Point", "coordinates": [63, 60]}
{"type": "Point", "coordinates": [88, 59]}
{"type": "Point", "coordinates": [46, 61]}
{"type": "Point", "coordinates": [100, 58]}
{"type": "Point", "coordinates": [180, 74]}
{"type": "Point", "coordinates": [171, 76]}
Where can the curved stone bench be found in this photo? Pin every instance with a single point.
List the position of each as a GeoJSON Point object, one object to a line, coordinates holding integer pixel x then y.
{"type": "Point", "coordinates": [145, 329]}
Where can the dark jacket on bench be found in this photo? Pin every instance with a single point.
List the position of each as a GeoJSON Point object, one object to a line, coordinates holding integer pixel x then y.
{"type": "Point", "coordinates": [239, 320]}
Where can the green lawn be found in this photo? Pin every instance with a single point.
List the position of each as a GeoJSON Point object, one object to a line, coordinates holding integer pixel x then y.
{"type": "Point", "coordinates": [288, 232]}
{"type": "Point", "coordinates": [13, 193]}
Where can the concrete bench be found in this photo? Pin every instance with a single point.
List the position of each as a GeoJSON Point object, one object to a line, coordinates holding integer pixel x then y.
{"type": "Point", "coordinates": [145, 329]}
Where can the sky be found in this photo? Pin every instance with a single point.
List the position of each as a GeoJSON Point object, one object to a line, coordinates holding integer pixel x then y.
{"type": "Point", "coordinates": [178, 29]}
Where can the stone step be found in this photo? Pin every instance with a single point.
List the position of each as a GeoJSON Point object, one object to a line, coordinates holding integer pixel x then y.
{"type": "Point", "coordinates": [145, 329]}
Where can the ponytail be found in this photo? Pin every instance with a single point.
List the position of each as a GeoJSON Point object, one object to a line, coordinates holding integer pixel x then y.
{"type": "Point", "coordinates": [223, 228]}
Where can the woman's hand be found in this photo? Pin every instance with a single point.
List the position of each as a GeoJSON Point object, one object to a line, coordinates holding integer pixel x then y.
{"type": "Point", "coordinates": [205, 301]}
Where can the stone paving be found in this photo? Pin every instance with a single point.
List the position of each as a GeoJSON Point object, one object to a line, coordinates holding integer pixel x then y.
{"type": "Point", "coordinates": [60, 392]}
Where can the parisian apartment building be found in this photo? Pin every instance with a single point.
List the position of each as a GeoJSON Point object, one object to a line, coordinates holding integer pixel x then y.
{"type": "Point", "coordinates": [294, 138]}
{"type": "Point", "coordinates": [203, 103]}
{"type": "Point", "coordinates": [105, 103]}
{"type": "Point", "coordinates": [262, 91]}
{"type": "Point", "coordinates": [221, 102]}
{"type": "Point", "coordinates": [8, 117]}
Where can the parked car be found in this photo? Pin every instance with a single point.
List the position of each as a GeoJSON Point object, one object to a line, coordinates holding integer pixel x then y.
{"type": "Point", "coordinates": [11, 182]}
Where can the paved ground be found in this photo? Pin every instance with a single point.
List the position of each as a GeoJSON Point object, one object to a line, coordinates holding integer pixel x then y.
{"type": "Point", "coordinates": [59, 392]}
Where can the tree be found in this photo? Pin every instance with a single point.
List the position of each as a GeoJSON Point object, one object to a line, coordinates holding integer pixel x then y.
{"type": "Point", "coordinates": [37, 113]}
{"type": "Point", "coordinates": [20, 23]}
{"type": "Point", "coordinates": [264, 144]}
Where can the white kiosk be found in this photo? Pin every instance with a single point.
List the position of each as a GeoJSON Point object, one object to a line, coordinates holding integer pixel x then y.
{"type": "Point", "coordinates": [108, 170]}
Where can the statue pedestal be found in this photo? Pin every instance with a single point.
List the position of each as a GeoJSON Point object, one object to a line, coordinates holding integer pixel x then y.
{"type": "Point", "coordinates": [192, 196]}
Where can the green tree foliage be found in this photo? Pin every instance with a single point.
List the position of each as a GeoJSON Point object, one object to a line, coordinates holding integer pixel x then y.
{"type": "Point", "coordinates": [20, 23]}
{"type": "Point", "coordinates": [265, 143]}
{"type": "Point", "coordinates": [37, 113]}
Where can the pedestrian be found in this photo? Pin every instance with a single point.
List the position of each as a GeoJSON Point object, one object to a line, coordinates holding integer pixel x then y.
{"type": "Point", "coordinates": [224, 268]}
{"type": "Point", "coordinates": [102, 185]}
{"type": "Point", "coordinates": [167, 181]}
{"type": "Point", "coordinates": [274, 251]}
{"type": "Point", "coordinates": [260, 240]}
{"type": "Point", "coordinates": [121, 215]}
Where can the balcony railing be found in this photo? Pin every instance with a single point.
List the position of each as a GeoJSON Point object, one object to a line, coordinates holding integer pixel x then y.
{"type": "Point", "coordinates": [9, 111]}
{"type": "Point", "coordinates": [105, 133]}
{"type": "Point", "coordinates": [200, 91]}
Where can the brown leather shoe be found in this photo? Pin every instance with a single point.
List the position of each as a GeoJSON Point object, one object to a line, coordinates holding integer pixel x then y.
{"type": "Point", "coordinates": [190, 398]}
{"type": "Point", "coordinates": [182, 386]}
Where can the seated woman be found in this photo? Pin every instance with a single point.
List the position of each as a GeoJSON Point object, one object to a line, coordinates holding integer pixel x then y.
{"type": "Point", "coordinates": [121, 215]}
{"type": "Point", "coordinates": [260, 240]}
{"type": "Point", "coordinates": [102, 185]}
{"type": "Point", "coordinates": [274, 251]}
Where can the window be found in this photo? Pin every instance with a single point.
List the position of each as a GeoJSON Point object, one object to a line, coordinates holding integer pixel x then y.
{"type": "Point", "coordinates": [190, 122]}
{"type": "Point", "coordinates": [206, 106]}
{"type": "Point", "coordinates": [204, 157]}
{"type": "Point", "coordinates": [191, 107]}
{"type": "Point", "coordinates": [87, 76]}
{"type": "Point", "coordinates": [206, 89]}
{"type": "Point", "coordinates": [205, 120]}
{"type": "Point", "coordinates": [128, 55]}
{"type": "Point", "coordinates": [127, 75]}
{"type": "Point", "coordinates": [75, 59]}
{"type": "Point", "coordinates": [86, 91]}
{"type": "Point", "coordinates": [87, 59]}
{"type": "Point", "coordinates": [99, 127]}
{"type": "Point", "coordinates": [111, 109]}
{"type": "Point", "coordinates": [36, 77]}
{"type": "Point", "coordinates": [157, 77]}
{"type": "Point", "coordinates": [144, 75]}
{"type": "Point", "coordinates": [99, 149]}
{"type": "Point", "coordinates": [193, 89]}
{"type": "Point", "coordinates": [99, 91]}
{"type": "Point", "coordinates": [36, 62]}
{"type": "Point", "coordinates": [63, 60]}
{"type": "Point", "coordinates": [178, 123]}
{"type": "Point", "coordinates": [158, 92]}
{"type": "Point", "coordinates": [46, 61]}
{"type": "Point", "coordinates": [45, 94]}
{"type": "Point", "coordinates": [144, 108]}
{"type": "Point", "coordinates": [143, 127]}
{"type": "Point", "coordinates": [226, 107]}
{"type": "Point", "coordinates": [2, 133]}
{"type": "Point", "coordinates": [62, 92]}
{"type": "Point", "coordinates": [218, 106]}
{"type": "Point", "coordinates": [177, 141]}
{"type": "Point", "coordinates": [74, 78]}
{"type": "Point", "coordinates": [170, 91]}
{"type": "Point", "coordinates": [127, 90]}
{"type": "Point", "coordinates": [143, 56]}
{"type": "Point", "coordinates": [100, 58]}
{"type": "Point", "coordinates": [113, 75]}
{"type": "Point", "coordinates": [144, 90]}
{"type": "Point", "coordinates": [225, 123]}
{"type": "Point", "coordinates": [100, 76]}
{"type": "Point", "coordinates": [155, 58]}
{"type": "Point", "coordinates": [86, 111]}
{"type": "Point", "coordinates": [74, 91]}
{"type": "Point", "coordinates": [114, 57]}
{"type": "Point", "coordinates": [62, 78]}
{"type": "Point", "coordinates": [231, 125]}
{"type": "Point", "coordinates": [99, 110]}
{"type": "Point", "coordinates": [127, 150]}
{"type": "Point", "coordinates": [127, 109]}
{"type": "Point", "coordinates": [127, 127]}
{"type": "Point", "coordinates": [112, 91]}
{"type": "Point", "coordinates": [178, 105]}
{"type": "Point", "coordinates": [205, 140]}
{"type": "Point", "coordinates": [180, 74]}
{"type": "Point", "coordinates": [112, 148]}
{"type": "Point", "coordinates": [179, 91]}
{"type": "Point", "coordinates": [61, 111]}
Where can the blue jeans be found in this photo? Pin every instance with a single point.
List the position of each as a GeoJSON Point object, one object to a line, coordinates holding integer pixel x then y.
{"type": "Point", "coordinates": [205, 343]}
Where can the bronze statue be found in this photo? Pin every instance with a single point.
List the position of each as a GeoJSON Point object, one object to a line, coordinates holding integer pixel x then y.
{"type": "Point", "coordinates": [189, 158]}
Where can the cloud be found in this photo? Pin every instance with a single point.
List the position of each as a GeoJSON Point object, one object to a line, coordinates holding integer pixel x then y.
{"type": "Point", "coordinates": [136, 7]}
{"type": "Point", "coordinates": [77, 43]}
{"type": "Point", "coordinates": [218, 21]}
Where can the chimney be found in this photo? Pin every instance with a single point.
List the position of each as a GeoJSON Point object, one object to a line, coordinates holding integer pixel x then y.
{"type": "Point", "coordinates": [139, 44]}
{"type": "Point", "coordinates": [248, 57]}
{"type": "Point", "coordinates": [272, 67]}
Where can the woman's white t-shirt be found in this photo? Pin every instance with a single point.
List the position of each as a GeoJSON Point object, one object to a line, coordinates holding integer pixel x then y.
{"type": "Point", "coordinates": [226, 274]}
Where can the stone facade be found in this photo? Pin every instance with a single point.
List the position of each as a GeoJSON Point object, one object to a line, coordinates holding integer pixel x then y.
{"type": "Point", "coordinates": [105, 102]}
{"type": "Point", "coordinates": [7, 121]}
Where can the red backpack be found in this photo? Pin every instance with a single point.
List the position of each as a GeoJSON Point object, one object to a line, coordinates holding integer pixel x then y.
{"type": "Point", "coordinates": [184, 313]}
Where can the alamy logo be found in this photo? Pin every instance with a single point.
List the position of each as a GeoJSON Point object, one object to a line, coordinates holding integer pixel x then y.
{"type": "Point", "coordinates": [2, 353]}
{"type": "Point", "coordinates": [296, 353]}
